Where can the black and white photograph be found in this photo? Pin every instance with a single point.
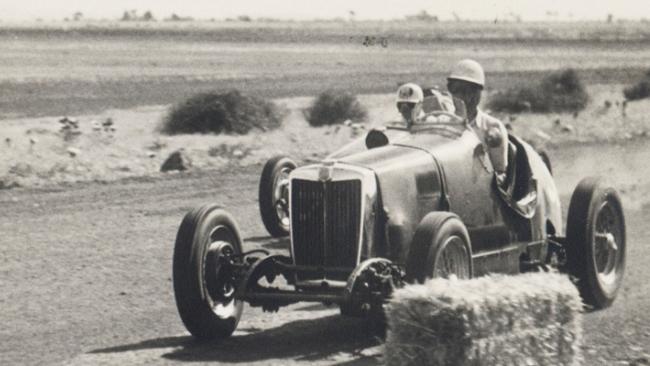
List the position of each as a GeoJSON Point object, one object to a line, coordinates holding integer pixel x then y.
{"type": "Point", "coordinates": [351, 183]}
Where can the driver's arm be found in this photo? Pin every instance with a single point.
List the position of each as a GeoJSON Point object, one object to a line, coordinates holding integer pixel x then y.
{"type": "Point", "coordinates": [496, 137]}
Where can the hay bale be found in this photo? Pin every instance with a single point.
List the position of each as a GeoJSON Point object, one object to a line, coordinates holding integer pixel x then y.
{"type": "Point", "coordinates": [530, 319]}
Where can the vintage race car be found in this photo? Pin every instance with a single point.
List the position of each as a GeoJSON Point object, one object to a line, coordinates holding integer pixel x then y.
{"type": "Point", "coordinates": [400, 205]}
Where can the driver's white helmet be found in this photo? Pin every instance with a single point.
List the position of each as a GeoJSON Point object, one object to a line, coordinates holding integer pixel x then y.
{"type": "Point", "coordinates": [410, 93]}
{"type": "Point", "coordinates": [468, 70]}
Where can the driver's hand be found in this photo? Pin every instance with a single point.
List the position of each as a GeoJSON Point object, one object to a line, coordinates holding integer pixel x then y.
{"type": "Point", "coordinates": [494, 137]}
{"type": "Point", "coordinates": [501, 179]}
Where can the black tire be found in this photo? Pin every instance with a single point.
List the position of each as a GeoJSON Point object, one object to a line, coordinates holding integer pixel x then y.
{"type": "Point", "coordinates": [596, 242]}
{"type": "Point", "coordinates": [202, 289]}
{"type": "Point", "coordinates": [547, 161]}
{"type": "Point", "coordinates": [430, 241]}
{"type": "Point", "coordinates": [269, 198]}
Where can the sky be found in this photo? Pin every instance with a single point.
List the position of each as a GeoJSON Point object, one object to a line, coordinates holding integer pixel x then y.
{"type": "Point", "coordinates": [296, 9]}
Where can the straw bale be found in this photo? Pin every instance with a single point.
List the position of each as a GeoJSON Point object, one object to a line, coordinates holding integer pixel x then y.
{"type": "Point", "coordinates": [529, 319]}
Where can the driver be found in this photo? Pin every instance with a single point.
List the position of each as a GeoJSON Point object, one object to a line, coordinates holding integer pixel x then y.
{"type": "Point", "coordinates": [466, 82]}
{"type": "Point", "coordinates": [409, 102]}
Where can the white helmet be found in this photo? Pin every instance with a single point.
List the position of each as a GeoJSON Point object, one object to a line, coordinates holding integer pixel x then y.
{"type": "Point", "coordinates": [410, 92]}
{"type": "Point", "coordinates": [468, 70]}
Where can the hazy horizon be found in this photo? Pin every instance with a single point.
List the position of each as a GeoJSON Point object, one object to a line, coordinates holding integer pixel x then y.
{"type": "Point", "coordinates": [552, 10]}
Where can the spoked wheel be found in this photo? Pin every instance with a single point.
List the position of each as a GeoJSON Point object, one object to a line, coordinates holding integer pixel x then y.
{"type": "Point", "coordinates": [207, 245]}
{"type": "Point", "coordinates": [596, 242]}
{"type": "Point", "coordinates": [218, 277]}
{"type": "Point", "coordinates": [440, 249]}
{"type": "Point", "coordinates": [274, 195]}
{"type": "Point", "coordinates": [281, 197]}
{"type": "Point", "coordinates": [607, 236]}
{"type": "Point", "coordinates": [452, 259]}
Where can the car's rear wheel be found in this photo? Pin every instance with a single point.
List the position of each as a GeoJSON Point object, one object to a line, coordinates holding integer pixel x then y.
{"type": "Point", "coordinates": [596, 242]}
{"type": "Point", "coordinates": [208, 241]}
{"type": "Point", "coordinates": [440, 249]}
{"type": "Point", "coordinates": [274, 195]}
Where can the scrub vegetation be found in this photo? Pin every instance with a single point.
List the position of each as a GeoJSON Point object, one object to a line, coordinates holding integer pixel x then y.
{"type": "Point", "coordinates": [231, 112]}
{"type": "Point", "coordinates": [334, 107]}
{"type": "Point", "coordinates": [560, 91]}
{"type": "Point", "coordinates": [640, 90]}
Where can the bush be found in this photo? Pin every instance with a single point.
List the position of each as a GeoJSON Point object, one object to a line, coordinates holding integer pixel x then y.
{"type": "Point", "coordinates": [230, 112]}
{"type": "Point", "coordinates": [639, 90]}
{"type": "Point", "coordinates": [334, 107]}
{"type": "Point", "coordinates": [560, 91]}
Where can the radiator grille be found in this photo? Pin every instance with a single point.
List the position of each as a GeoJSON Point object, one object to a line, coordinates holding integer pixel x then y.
{"type": "Point", "coordinates": [325, 222]}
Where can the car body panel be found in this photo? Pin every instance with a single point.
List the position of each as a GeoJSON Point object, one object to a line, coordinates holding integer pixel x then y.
{"type": "Point", "coordinates": [444, 168]}
{"type": "Point", "coordinates": [409, 183]}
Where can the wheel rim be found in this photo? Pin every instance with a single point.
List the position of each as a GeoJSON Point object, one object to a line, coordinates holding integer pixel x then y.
{"type": "Point", "coordinates": [281, 197]}
{"type": "Point", "coordinates": [608, 246]}
{"type": "Point", "coordinates": [218, 280]}
{"type": "Point", "coordinates": [452, 260]}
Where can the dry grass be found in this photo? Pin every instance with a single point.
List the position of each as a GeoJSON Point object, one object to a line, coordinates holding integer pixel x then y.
{"type": "Point", "coordinates": [48, 70]}
{"type": "Point", "coordinates": [494, 320]}
{"type": "Point", "coordinates": [336, 30]}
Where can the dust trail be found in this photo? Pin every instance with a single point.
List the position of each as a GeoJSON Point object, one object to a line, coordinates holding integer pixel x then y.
{"type": "Point", "coordinates": [624, 165]}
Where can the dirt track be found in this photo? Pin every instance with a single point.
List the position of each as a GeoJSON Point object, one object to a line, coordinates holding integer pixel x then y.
{"type": "Point", "coordinates": [86, 275]}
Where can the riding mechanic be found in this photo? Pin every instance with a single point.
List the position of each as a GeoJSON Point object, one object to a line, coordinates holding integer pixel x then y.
{"type": "Point", "coordinates": [409, 102]}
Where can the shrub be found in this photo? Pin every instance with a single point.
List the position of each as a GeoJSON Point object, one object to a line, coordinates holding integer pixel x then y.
{"type": "Point", "coordinates": [229, 112]}
{"type": "Point", "coordinates": [334, 107]}
{"type": "Point", "coordinates": [560, 91]}
{"type": "Point", "coordinates": [639, 90]}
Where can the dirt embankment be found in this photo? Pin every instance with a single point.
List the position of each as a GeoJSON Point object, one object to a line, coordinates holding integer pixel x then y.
{"type": "Point", "coordinates": [34, 152]}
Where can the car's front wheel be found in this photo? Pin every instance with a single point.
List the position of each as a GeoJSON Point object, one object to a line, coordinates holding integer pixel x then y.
{"type": "Point", "coordinates": [207, 243]}
{"type": "Point", "coordinates": [274, 195]}
{"type": "Point", "coordinates": [596, 242]}
{"type": "Point", "coordinates": [440, 249]}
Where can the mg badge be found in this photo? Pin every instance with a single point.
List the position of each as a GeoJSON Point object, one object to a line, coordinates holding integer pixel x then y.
{"type": "Point", "coordinates": [325, 173]}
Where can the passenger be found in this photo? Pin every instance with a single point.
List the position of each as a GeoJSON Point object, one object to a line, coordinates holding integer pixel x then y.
{"type": "Point", "coordinates": [409, 102]}
{"type": "Point", "coordinates": [466, 82]}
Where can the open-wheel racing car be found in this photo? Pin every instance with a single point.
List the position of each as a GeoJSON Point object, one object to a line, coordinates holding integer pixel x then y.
{"type": "Point", "coordinates": [400, 205]}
